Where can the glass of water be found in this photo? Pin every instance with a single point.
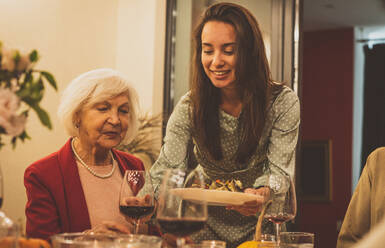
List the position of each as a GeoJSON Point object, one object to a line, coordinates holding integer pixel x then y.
{"type": "Point", "coordinates": [138, 240]}
{"type": "Point", "coordinates": [297, 240]}
{"type": "Point", "coordinates": [214, 243]}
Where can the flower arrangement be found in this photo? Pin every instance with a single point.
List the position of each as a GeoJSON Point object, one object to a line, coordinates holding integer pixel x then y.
{"type": "Point", "coordinates": [21, 89]}
{"type": "Point", "coordinates": [146, 139]}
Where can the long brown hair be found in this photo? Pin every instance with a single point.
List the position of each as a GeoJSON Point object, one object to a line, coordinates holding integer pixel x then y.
{"type": "Point", "coordinates": [253, 77]}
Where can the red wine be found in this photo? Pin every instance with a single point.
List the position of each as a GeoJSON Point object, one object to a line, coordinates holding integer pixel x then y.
{"type": "Point", "coordinates": [280, 218]}
{"type": "Point", "coordinates": [181, 227]}
{"type": "Point", "coordinates": [136, 212]}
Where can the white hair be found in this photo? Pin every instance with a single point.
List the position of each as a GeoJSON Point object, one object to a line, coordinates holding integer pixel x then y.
{"type": "Point", "coordinates": [93, 87]}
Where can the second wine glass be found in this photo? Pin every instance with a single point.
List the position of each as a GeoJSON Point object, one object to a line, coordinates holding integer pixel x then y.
{"type": "Point", "coordinates": [177, 215]}
{"type": "Point", "coordinates": [283, 205]}
{"type": "Point", "coordinates": [136, 199]}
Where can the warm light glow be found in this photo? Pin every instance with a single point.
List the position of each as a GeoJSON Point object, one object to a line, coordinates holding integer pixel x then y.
{"type": "Point", "coordinates": [267, 42]}
{"type": "Point", "coordinates": [375, 35]}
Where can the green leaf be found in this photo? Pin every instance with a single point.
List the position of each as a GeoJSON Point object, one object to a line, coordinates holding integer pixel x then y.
{"type": "Point", "coordinates": [28, 77]}
{"type": "Point", "coordinates": [25, 112]}
{"type": "Point", "coordinates": [43, 116]}
{"type": "Point", "coordinates": [49, 77]}
{"type": "Point", "coordinates": [23, 136]}
{"type": "Point", "coordinates": [16, 57]}
{"type": "Point", "coordinates": [13, 141]}
{"type": "Point", "coordinates": [24, 94]}
{"type": "Point", "coordinates": [31, 92]}
{"type": "Point", "coordinates": [33, 56]}
{"type": "Point", "coordinates": [37, 90]}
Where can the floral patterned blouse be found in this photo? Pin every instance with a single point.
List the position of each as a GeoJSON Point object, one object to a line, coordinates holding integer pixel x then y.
{"type": "Point", "coordinates": [275, 152]}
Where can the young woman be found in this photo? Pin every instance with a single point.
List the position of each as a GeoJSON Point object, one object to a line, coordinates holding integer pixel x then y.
{"type": "Point", "coordinates": [239, 122]}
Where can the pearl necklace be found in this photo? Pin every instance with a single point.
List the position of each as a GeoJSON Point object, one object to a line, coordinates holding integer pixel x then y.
{"type": "Point", "coordinates": [89, 168]}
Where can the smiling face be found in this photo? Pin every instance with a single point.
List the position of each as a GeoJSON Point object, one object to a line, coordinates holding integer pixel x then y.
{"type": "Point", "coordinates": [218, 53]}
{"type": "Point", "coordinates": [104, 124]}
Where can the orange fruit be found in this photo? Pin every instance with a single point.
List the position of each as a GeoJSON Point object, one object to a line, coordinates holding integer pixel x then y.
{"type": "Point", "coordinates": [249, 244]}
{"type": "Point", "coordinates": [257, 244]}
{"type": "Point", "coordinates": [7, 242]}
{"type": "Point", "coordinates": [33, 243]}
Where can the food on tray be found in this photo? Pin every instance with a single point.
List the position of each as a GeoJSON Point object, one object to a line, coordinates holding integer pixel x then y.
{"type": "Point", "coordinates": [229, 185]}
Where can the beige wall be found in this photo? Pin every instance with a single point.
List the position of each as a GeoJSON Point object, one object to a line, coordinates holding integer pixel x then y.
{"type": "Point", "coordinates": [140, 48]}
{"type": "Point", "coordinates": [72, 37]}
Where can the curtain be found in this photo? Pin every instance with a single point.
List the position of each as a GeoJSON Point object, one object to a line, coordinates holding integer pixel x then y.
{"type": "Point", "coordinates": [374, 100]}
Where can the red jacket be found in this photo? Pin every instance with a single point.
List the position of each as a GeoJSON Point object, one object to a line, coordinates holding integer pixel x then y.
{"type": "Point", "coordinates": [56, 202]}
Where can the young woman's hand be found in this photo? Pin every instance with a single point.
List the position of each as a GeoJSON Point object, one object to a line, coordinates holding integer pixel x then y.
{"type": "Point", "coordinates": [251, 208]}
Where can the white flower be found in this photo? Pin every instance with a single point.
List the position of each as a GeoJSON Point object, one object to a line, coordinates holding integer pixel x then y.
{"type": "Point", "coordinates": [12, 123]}
{"type": "Point", "coordinates": [15, 125]}
{"type": "Point", "coordinates": [8, 60]}
{"type": "Point", "coordinates": [9, 103]}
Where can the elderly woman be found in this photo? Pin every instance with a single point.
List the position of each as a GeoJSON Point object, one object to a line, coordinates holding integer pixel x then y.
{"type": "Point", "coordinates": [77, 187]}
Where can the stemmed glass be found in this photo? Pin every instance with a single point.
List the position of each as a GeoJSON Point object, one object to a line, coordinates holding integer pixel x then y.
{"type": "Point", "coordinates": [176, 214]}
{"type": "Point", "coordinates": [1, 188]}
{"type": "Point", "coordinates": [283, 205]}
{"type": "Point", "coordinates": [136, 199]}
{"type": "Point", "coordinates": [7, 227]}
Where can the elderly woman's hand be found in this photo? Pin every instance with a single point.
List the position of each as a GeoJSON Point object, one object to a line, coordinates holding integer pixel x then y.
{"type": "Point", "coordinates": [251, 208]}
{"type": "Point", "coordinates": [109, 227]}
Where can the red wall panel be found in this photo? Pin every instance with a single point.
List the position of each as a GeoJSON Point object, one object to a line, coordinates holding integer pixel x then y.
{"type": "Point", "coordinates": [327, 113]}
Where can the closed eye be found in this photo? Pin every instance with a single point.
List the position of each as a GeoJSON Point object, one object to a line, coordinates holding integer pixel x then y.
{"type": "Point", "coordinates": [124, 111]}
{"type": "Point", "coordinates": [102, 109]}
{"type": "Point", "coordinates": [228, 52]}
{"type": "Point", "coordinates": [208, 52]}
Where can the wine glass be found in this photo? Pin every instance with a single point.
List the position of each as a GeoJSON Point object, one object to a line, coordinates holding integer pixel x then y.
{"type": "Point", "coordinates": [7, 227]}
{"type": "Point", "coordinates": [1, 188]}
{"type": "Point", "coordinates": [136, 199]}
{"type": "Point", "coordinates": [283, 204]}
{"type": "Point", "coordinates": [297, 239]}
{"type": "Point", "coordinates": [176, 214]}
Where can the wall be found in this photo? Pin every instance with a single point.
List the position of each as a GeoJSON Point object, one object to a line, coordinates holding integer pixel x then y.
{"type": "Point", "coordinates": [73, 37]}
{"type": "Point", "coordinates": [140, 48]}
{"type": "Point", "coordinates": [327, 103]}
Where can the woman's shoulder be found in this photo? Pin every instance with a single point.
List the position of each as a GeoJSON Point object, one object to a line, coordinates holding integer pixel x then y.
{"type": "Point", "coordinates": [287, 94]}
{"type": "Point", "coordinates": [380, 152]}
{"type": "Point", "coordinates": [182, 109]}
{"type": "Point", "coordinates": [44, 166]}
{"type": "Point", "coordinates": [284, 98]}
{"type": "Point", "coordinates": [376, 159]}
{"type": "Point", "coordinates": [54, 163]}
{"type": "Point", "coordinates": [185, 100]}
